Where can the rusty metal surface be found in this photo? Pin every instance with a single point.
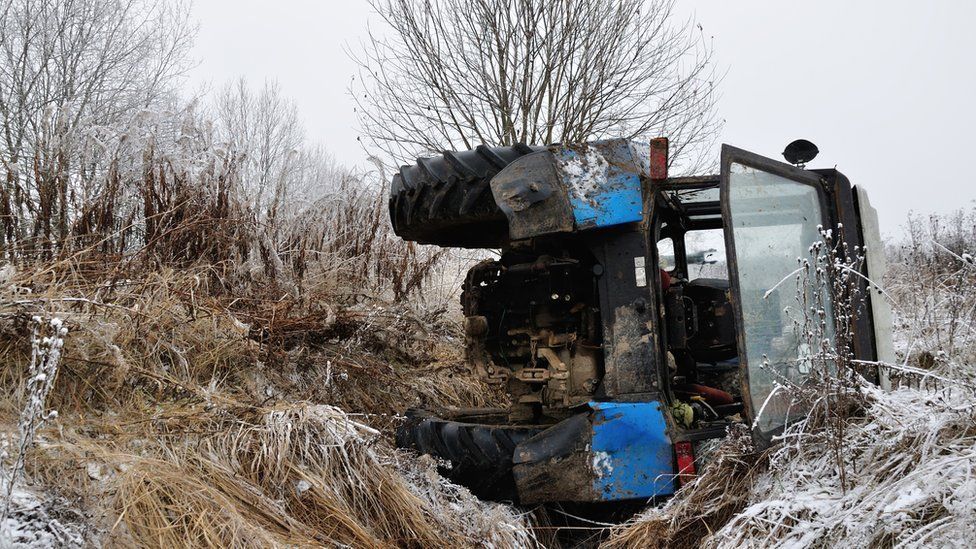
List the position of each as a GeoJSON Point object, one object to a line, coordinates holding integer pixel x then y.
{"type": "Point", "coordinates": [658, 168]}
{"type": "Point", "coordinates": [573, 187]}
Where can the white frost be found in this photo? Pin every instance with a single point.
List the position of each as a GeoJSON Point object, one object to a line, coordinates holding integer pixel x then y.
{"type": "Point", "coordinates": [602, 464]}
{"type": "Point", "coordinates": [584, 173]}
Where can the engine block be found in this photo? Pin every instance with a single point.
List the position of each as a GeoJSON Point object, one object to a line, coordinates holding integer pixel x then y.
{"type": "Point", "coordinates": [532, 322]}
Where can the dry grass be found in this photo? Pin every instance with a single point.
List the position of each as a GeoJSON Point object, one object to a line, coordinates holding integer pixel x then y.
{"type": "Point", "coordinates": [191, 418]}
{"type": "Point", "coordinates": [239, 476]}
{"type": "Point", "coordinates": [302, 475]}
{"type": "Point", "coordinates": [932, 278]}
{"type": "Point", "coordinates": [218, 342]}
{"type": "Point", "coordinates": [165, 336]}
{"type": "Point", "coordinates": [701, 507]}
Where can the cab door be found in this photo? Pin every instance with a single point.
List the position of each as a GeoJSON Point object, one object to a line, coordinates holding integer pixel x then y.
{"type": "Point", "coordinates": [772, 212]}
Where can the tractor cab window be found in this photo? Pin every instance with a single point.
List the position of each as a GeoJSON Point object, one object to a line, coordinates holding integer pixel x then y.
{"type": "Point", "coordinates": [705, 254]}
{"type": "Point", "coordinates": [665, 254]}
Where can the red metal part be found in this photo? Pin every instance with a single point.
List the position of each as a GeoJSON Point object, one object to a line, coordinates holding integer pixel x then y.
{"type": "Point", "coordinates": [659, 158]}
{"type": "Point", "coordinates": [713, 396]}
{"type": "Point", "coordinates": [686, 461]}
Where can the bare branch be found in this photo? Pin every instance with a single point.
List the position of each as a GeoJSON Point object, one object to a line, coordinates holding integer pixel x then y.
{"type": "Point", "coordinates": [453, 74]}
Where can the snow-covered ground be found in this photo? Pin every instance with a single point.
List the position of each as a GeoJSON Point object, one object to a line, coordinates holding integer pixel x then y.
{"type": "Point", "coordinates": [40, 521]}
{"type": "Point", "coordinates": [909, 480]}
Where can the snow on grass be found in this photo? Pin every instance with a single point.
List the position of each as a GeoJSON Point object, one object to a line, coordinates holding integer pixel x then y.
{"type": "Point", "coordinates": [910, 472]}
{"type": "Point", "coordinates": [47, 341]}
{"type": "Point", "coordinates": [486, 524]}
{"type": "Point", "coordinates": [296, 475]}
{"type": "Point", "coordinates": [36, 521]}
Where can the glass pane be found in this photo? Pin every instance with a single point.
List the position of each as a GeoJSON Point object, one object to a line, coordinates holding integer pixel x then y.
{"type": "Point", "coordinates": [691, 196]}
{"type": "Point", "coordinates": [774, 222]}
{"type": "Point", "coordinates": [706, 254]}
{"type": "Point", "coordinates": [665, 254]}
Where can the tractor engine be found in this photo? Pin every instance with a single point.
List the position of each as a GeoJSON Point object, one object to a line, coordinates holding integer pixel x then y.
{"type": "Point", "coordinates": [532, 323]}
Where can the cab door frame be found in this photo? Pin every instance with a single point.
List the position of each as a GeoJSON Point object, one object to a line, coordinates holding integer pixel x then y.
{"type": "Point", "coordinates": [732, 155]}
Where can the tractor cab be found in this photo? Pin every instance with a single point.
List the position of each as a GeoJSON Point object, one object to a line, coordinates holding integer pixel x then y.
{"type": "Point", "coordinates": [730, 248]}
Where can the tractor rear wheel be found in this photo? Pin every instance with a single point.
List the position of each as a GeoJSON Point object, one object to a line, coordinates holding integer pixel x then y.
{"type": "Point", "coordinates": [447, 200]}
{"type": "Point", "coordinates": [480, 455]}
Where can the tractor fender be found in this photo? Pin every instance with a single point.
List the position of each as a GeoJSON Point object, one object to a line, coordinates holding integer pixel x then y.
{"type": "Point", "coordinates": [613, 451]}
{"type": "Point", "coordinates": [572, 188]}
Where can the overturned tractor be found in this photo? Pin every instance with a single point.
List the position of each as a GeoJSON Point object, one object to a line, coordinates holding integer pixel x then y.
{"type": "Point", "coordinates": [631, 316]}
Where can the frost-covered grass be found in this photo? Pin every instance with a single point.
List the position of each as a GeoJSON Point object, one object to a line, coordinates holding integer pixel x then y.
{"type": "Point", "coordinates": [932, 278]}
{"type": "Point", "coordinates": [47, 341]}
{"type": "Point", "coordinates": [39, 521]}
{"type": "Point", "coordinates": [296, 475]}
{"type": "Point", "coordinates": [910, 480]}
{"type": "Point", "coordinates": [194, 419]}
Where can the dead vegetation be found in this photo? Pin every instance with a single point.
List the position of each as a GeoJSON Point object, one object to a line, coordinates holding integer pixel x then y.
{"type": "Point", "coordinates": [243, 322]}
{"type": "Point", "coordinates": [189, 418]}
{"type": "Point", "coordinates": [933, 280]}
{"type": "Point", "coordinates": [216, 353]}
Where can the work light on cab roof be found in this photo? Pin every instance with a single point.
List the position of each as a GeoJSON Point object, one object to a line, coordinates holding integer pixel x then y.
{"type": "Point", "coordinates": [800, 152]}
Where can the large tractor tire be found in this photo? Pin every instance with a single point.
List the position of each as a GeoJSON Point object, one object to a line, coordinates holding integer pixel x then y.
{"type": "Point", "coordinates": [480, 455]}
{"type": "Point", "coordinates": [447, 200]}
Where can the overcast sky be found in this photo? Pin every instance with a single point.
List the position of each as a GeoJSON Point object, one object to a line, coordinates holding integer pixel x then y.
{"type": "Point", "coordinates": [886, 89]}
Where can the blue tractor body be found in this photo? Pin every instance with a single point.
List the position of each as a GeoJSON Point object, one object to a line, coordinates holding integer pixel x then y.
{"type": "Point", "coordinates": [619, 450]}
{"type": "Point", "coordinates": [620, 354]}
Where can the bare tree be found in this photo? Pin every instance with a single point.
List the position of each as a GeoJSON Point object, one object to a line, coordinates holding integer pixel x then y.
{"type": "Point", "coordinates": [265, 129]}
{"type": "Point", "coordinates": [67, 68]}
{"type": "Point", "coordinates": [453, 74]}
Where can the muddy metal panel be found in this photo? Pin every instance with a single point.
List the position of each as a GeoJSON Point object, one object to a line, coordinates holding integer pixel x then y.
{"type": "Point", "coordinates": [632, 454]}
{"type": "Point", "coordinates": [572, 188]}
{"type": "Point", "coordinates": [628, 306]}
{"type": "Point", "coordinates": [530, 194]}
{"type": "Point", "coordinates": [603, 182]}
{"type": "Point", "coordinates": [615, 451]}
